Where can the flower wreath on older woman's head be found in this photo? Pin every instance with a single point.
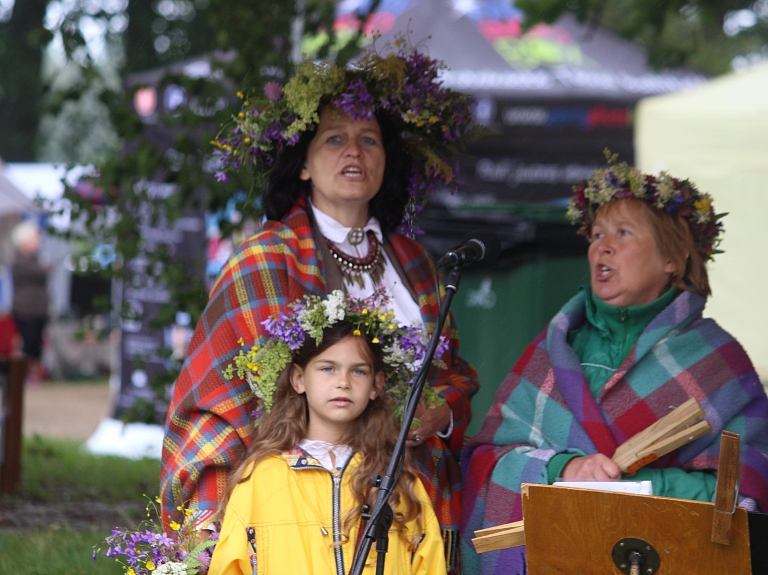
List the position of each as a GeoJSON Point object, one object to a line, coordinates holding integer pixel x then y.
{"type": "Point", "coordinates": [403, 347]}
{"type": "Point", "coordinates": [677, 197]}
{"type": "Point", "coordinates": [433, 121]}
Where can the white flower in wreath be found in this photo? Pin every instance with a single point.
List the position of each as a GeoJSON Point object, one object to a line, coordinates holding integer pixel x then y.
{"type": "Point", "coordinates": [665, 189]}
{"type": "Point", "coordinates": [573, 212]}
{"type": "Point", "coordinates": [605, 195]}
{"type": "Point", "coordinates": [702, 217]}
{"type": "Point", "coordinates": [395, 355]}
{"type": "Point", "coordinates": [312, 330]}
{"type": "Point", "coordinates": [335, 307]}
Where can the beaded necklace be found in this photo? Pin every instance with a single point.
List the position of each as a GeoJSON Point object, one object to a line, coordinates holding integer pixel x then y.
{"type": "Point", "coordinates": [352, 268]}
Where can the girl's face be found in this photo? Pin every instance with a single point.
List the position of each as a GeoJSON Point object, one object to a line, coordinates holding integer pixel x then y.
{"type": "Point", "coordinates": [338, 383]}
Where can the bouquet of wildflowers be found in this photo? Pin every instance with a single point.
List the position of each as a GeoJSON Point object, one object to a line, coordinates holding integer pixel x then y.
{"type": "Point", "coordinates": [150, 551]}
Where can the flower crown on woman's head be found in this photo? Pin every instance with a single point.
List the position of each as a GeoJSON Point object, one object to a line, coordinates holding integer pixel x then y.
{"type": "Point", "coordinates": [433, 121]}
{"type": "Point", "coordinates": [678, 197]}
{"type": "Point", "coordinates": [403, 347]}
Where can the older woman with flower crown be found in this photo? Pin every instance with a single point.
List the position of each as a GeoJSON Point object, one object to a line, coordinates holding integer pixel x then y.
{"type": "Point", "coordinates": [347, 154]}
{"type": "Point", "coordinates": [624, 352]}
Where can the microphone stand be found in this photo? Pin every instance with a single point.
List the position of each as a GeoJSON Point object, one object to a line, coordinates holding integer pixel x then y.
{"type": "Point", "coordinates": [380, 518]}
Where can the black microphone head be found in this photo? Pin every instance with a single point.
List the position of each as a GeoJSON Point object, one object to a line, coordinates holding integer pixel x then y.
{"type": "Point", "coordinates": [490, 243]}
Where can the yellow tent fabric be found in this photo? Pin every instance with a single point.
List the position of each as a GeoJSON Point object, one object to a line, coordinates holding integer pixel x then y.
{"type": "Point", "coordinates": [717, 135]}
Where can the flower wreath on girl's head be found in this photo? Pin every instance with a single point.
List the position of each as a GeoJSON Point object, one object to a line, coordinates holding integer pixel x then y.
{"type": "Point", "coordinates": [403, 347]}
{"type": "Point", "coordinates": [678, 197]}
{"type": "Point", "coordinates": [433, 121]}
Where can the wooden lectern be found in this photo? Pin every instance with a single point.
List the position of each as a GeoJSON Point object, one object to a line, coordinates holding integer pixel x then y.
{"type": "Point", "coordinates": [582, 531]}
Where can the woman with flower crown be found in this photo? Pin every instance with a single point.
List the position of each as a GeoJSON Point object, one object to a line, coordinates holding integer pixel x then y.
{"type": "Point", "coordinates": [326, 373]}
{"type": "Point", "coordinates": [347, 154]}
{"type": "Point", "coordinates": [624, 352]}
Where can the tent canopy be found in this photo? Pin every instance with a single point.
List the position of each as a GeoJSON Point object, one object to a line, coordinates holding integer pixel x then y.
{"type": "Point", "coordinates": [556, 96]}
{"type": "Point", "coordinates": [483, 45]}
{"type": "Point", "coordinates": [12, 200]}
{"type": "Point", "coordinates": [717, 135]}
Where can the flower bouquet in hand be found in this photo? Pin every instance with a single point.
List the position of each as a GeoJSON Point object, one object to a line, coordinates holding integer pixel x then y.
{"type": "Point", "coordinates": [150, 551]}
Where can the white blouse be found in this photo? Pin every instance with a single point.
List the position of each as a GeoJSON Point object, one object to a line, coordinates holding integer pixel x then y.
{"type": "Point", "coordinates": [321, 450]}
{"type": "Point", "coordinates": [401, 302]}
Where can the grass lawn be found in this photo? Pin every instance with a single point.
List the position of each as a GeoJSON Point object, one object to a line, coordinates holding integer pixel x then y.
{"type": "Point", "coordinates": [47, 552]}
{"type": "Point", "coordinates": [52, 469]}
{"type": "Point", "coordinates": [57, 479]}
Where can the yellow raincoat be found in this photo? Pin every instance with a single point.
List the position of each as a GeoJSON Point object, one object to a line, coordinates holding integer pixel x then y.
{"type": "Point", "coordinates": [285, 518]}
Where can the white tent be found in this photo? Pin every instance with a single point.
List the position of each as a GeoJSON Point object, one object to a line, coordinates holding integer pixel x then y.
{"type": "Point", "coordinates": [12, 199]}
{"type": "Point", "coordinates": [717, 135]}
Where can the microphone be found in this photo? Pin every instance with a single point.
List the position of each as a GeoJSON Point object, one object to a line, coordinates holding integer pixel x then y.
{"type": "Point", "coordinates": [478, 246]}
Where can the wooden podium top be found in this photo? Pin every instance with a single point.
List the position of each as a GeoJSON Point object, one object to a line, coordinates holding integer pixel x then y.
{"type": "Point", "coordinates": [572, 530]}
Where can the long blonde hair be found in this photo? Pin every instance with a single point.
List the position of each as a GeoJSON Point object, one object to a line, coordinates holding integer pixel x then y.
{"type": "Point", "coordinates": [373, 436]}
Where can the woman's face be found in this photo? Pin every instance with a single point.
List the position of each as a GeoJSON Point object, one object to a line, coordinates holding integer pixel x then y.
{"type": "Point", "coordinates": [626, 267]}
{"type": "Point", "coordinates": [345, 165]}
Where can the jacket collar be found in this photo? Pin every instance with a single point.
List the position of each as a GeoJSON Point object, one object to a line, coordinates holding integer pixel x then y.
{"type": "Point", "coordinates": [298, 459]}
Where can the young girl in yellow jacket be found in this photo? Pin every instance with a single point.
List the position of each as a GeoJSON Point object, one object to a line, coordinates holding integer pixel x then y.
{"type": "Point", "coordinates": [294, 504]}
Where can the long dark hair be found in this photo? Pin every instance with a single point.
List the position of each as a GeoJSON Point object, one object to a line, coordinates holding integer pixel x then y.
{"type": "Point", "coordinates": [373, 435]}
{"type": "Point", "coordinates": [284, 187]}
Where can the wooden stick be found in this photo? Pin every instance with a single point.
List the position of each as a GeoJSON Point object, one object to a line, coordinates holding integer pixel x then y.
{"type": "Point", "coordinates": [513, 536]}
{"type": "Point", "coordinates": [491, 530]}
{"type": "Point", "coordinates": [727, 484]}
{"type": "Point", "coordinates": [11, 424]}
{"type": "Point", "coordinates": [669, 444]}
{"type": "Point", "coordinates": [683, 416]}
{"type": "Point", "coordinates": [672, 429]}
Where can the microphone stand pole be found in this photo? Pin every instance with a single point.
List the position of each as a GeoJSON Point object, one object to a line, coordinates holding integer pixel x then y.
{"type": "Point", "coordinates": [377, 527]}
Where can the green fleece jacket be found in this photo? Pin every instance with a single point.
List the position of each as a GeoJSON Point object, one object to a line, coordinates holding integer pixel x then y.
{"type": "Point", "coordinates": [602, 343]}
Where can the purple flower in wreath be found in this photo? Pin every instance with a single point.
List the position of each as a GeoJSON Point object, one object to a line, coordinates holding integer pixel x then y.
{"type": "Point", "coordinates": [283, 328]}
{"type": "Point", "coordinates": [356, 101]}
{"type": "Point", "coordinates": [273, 91]}
{"type": "Point", "coordinates": [674, 204]}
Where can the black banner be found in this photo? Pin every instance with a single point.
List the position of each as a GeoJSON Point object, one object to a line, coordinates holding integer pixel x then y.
{"type": "Point", "coordinates": [147, 350]}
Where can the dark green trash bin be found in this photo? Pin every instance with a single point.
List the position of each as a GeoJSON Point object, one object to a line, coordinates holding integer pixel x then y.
{"type": "Point", "coordinates": [501, 309]}
{"type": "Point", "coordinates": [499, 312]}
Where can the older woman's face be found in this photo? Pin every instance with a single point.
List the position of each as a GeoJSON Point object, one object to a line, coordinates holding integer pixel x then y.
{"type": "Point", "coordinates": [345, 164]}
{"type": "Point", "coordinates": [626, 266]}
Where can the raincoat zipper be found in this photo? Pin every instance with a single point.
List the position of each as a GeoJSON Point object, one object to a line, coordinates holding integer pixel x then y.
{"type": "Point", "coordinates": [336, 498]}
{"type": "Point", "coordinates": [337, 524]}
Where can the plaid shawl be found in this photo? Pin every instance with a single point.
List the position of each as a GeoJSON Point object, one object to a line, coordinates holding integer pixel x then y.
{"type": "Point", "coordinates": [207, 424]}
{"type": "Point", "coordinates": [545, 407]}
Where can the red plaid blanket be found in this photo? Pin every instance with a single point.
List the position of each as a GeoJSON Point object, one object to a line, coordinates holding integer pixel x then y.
{"type": "Point", "coordinates": [207, 424]}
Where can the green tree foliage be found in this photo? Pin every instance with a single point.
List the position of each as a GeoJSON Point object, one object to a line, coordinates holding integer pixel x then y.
{"type": "Point", "coordinates": [704, 34]}
{"type": "Point", "coordinates": [239, 47]}
{"type": "Point", "coordinates": [22, 37]}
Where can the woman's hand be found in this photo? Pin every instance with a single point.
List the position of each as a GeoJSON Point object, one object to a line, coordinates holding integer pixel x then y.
{"type": "Point", "coordinates": [430, 422]}
{"type": "Point", "coordinates": [596, 467]}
